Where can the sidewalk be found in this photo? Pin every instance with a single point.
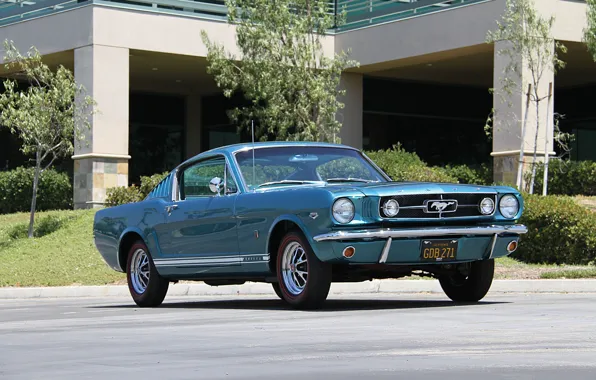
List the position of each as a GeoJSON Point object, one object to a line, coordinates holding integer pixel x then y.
{"type": "Point", "coordinates": [376, 286]}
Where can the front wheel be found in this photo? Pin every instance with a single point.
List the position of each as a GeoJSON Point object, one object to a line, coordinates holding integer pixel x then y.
{"type": "Point", "coordinates": [146, 286]}
{"type": "Point", "coordinates": [304, 280]}
{"type": "Point", "coordinates": [470, 284]}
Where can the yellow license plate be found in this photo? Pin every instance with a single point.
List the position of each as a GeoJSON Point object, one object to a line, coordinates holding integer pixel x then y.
{"type": "Point", "coordinates": [438, 250]}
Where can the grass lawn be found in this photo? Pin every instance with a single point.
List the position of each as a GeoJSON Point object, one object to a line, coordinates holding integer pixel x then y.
{"type": "Point", "coordinates": [63, 253]}
{"type": "Point", "coordinates": [509, 268]}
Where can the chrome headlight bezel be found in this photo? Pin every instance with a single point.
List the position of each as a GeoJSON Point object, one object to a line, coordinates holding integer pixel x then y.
{"type": "Point", "coordinates": [386, 207]}
{"type": "Point", "coordinates": [509, 206]}
{"type": "Point", "coordinates": [343, 205]}
{"type": "Point", "coordinates": [493, 206]}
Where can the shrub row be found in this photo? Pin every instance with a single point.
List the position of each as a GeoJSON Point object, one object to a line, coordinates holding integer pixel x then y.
{"type": "Point", "coordinates": [477, 175]}
{"type": "Point", "coordinates": [16, 188]}
{"type": "Point", "coordinates": [401, 165]}
{"type": "Point", "coordinates": [120, 195]}
{"type": "Point", "coordinates": [567, 177]}
{"type": "Point", "coordinates": [560, 231]}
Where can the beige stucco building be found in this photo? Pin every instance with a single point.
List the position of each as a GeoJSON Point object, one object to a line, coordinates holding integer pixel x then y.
{"type": "Point", "coordinates": [423, 80]}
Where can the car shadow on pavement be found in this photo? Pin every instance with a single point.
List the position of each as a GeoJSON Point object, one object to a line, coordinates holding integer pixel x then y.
{"type": "Point", "coordinates": [329, 306]}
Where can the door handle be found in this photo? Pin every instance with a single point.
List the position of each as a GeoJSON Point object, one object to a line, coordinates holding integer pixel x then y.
{"type": "Point", "coordinates": [170, 208]}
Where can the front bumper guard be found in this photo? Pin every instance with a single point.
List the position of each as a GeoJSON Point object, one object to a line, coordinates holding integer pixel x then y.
{"type": "Point", "coordinates": [411, 233]}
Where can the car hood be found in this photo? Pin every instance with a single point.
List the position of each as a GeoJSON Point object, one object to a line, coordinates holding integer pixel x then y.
{"type": "Point", "coordinates": [404, 188]}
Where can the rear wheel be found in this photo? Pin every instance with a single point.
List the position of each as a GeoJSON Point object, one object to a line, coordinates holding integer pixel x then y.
{"type": "Point", "coordinates": [304, 280]}
{"type": "Point", "coordinates": [471, 283]}
{"type": "Point", "coordinates": [277, 290]}
{"type": "Point", "coordinates": [146, 286]}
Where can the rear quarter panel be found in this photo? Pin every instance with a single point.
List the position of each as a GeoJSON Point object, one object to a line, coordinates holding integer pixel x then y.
{"type": "Point", "coordinates": [112, 224]}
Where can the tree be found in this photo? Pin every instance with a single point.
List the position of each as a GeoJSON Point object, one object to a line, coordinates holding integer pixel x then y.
{"type": "Point", "coordinates": [531, 48]}
{"type": "Point", "coordinates": [590, 31]}
{"type": "Point", "coordinates": [293, 87]}
{"type": "Point", "coordinates": [48, 116]}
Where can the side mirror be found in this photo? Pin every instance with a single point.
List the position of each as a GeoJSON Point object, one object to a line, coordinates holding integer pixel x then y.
{"type": "Point", "coordinates": [216, 185]}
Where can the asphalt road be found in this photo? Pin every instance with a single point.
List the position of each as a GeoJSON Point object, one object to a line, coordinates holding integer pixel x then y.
{"type": "Point", "coordinates": [356, 337]}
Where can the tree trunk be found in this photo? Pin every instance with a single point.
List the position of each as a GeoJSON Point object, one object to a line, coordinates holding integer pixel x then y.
{"type": "Point", "coordinates": [531, 190]}
{"type": "Point", "coordinates": [34, 197]}
{"type": "Point", "coordinates": [546, 135]}
{"type": "Point", "coordinates": [520, 167]}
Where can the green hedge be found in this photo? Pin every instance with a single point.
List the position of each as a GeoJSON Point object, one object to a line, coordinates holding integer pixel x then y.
{"type": "Point", "coordinates": [560, 231]}
{"type": "Point", "coordinates": [120, 195]}
{"type": "Point", "coordinates": [16, 188]}
{"type": "Point", "coordinates": [476, 175]}
{"type": "Point", "coordinates": [401, 165]}
{"type": "Point", "coordinates": [567, 177]}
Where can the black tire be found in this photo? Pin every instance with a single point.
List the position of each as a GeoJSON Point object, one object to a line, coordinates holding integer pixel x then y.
{"type": "Point", "coordinates": [277, 290]}
{"type": "Point", "coordinates": [147, 293]}
{"type": "Point", "coordinates": [315, 288]}
{"type": "Point", "coordinates": [473, 287]}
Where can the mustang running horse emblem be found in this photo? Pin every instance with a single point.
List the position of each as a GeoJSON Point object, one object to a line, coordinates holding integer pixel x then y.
{"type": "Point", "coordinates": [440, 206]}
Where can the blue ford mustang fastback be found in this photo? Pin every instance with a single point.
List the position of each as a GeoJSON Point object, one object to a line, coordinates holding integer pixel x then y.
{"type": "Point", "coordinates": [301, 215]}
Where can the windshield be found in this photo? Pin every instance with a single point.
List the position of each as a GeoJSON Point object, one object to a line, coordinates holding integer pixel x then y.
{"type": "Point", "coordinates": [291, 165]}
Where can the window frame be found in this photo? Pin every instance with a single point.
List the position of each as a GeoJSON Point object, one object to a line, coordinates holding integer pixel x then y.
{"type": "Point", "coordinates": [178, 186]}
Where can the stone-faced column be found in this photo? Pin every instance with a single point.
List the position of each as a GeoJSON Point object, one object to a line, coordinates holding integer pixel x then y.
{"type": "Point", "coordinates": [102, 161]}
{"type": "Point", "coordinates": [351, 115]}
{"type": "Point", "coordinates": [508, 119]}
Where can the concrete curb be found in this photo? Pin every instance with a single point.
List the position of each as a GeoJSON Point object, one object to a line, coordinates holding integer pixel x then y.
{"type": "Point", "coordinates": [370, 287]}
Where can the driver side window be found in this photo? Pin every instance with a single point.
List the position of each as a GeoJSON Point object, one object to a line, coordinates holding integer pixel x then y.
{"type": "Point", "coordinates": [196, 179]}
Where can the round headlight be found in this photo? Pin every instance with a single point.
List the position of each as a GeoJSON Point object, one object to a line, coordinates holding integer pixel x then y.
{"type": "Point", "coordinates": [390, 208]}
{"type": "Point", "coordinates": [343, 210]}
{"type": "Point", "coordinates": [487, 206]}
{"type": "Point", "coordinates": [508, 206]}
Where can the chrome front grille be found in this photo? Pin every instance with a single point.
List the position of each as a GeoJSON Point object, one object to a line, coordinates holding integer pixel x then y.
{"type": "Point", "coordinates": [437, 206]}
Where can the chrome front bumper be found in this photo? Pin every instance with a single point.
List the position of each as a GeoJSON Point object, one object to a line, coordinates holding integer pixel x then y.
{"type": "Point", "coordinates": [386, 233]}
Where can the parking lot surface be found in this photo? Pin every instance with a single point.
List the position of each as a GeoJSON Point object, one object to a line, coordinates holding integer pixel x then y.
{"type": "Point", "coordinates": [389, 336]}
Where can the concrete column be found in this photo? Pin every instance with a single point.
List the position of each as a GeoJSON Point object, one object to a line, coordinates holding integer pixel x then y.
{"type": "Point", "coordinates": [102, 161]}
{"type": "Point", "coordinates": [510, 110]}
{"type": "Point", "coordinates": [351, 115]}
{"type": "Point", "coordinates": [193, 125]}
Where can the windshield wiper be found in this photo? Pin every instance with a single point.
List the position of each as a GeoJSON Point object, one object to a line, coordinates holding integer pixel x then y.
{"type": "Point", "coordinates": [349, 180]}
{"type": "Point", "coordinates": [287, 181]}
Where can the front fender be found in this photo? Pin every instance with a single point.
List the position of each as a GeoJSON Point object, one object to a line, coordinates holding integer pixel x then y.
{"type": "Point", "coordinates": [303, 227]}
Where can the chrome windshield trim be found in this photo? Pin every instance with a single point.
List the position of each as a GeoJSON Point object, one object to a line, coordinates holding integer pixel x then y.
{"type": "Point", "coordinates": [365, 158]}
{"type": "Point", "coordinates": [423, 232]}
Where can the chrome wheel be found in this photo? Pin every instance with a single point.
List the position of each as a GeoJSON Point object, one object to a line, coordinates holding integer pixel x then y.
{"type": "Point", "coordinates": [294, 267]}
{"type": "Point", "coordinates": [140, 271]}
